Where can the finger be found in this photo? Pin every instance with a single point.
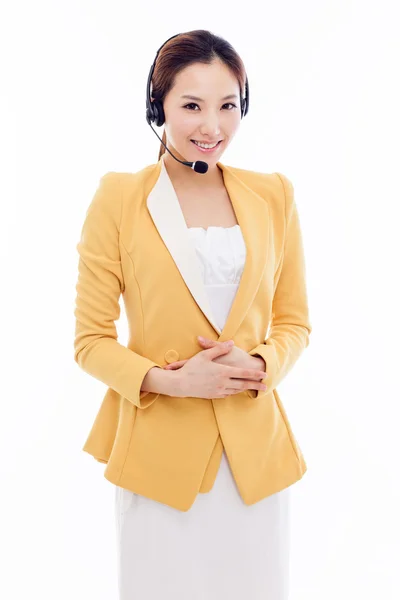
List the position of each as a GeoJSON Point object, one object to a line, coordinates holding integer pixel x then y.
{"type": "Point", "coordinates": [210, 343]}
{"type": "Point", "coordinates": [240, 373]}
{"type": "Point", "coordinates": [206, 342]}
{"type": "Point", "coordinates": [176, 364]}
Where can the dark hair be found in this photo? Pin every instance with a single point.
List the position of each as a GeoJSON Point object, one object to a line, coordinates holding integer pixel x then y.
{"type": "Point", "coordinates": [198, 46]}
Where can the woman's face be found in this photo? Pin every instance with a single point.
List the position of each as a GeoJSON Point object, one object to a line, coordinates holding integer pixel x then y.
{"type": "Point", "coordinates": [209, 118]}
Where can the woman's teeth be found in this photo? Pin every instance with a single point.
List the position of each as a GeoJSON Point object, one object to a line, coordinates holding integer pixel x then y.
{"type": "Point", "coordinates": [206, 147]}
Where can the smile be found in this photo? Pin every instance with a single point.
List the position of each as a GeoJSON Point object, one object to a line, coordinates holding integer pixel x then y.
{"type": "Point", "coordinates": [206, 149]}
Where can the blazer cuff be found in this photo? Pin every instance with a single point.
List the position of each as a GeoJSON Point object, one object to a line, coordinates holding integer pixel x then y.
{"type": "Point", "coordinates": [268, 354]}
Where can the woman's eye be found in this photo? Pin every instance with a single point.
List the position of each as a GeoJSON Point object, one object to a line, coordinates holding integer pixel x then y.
{"type": "Point", "coordinates": [194, 104]}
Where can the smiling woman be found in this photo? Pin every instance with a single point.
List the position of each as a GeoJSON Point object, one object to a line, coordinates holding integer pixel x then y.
{"type": "Point", "coordinates": [221, 548]}
{"type": "Point", "coordinates": [205, 69]}
{"type": "Point", "coordinates": [202, 455]}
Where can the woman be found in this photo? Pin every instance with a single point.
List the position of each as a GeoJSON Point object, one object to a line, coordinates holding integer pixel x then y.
{"type": "Point", "coordinates": [193, 433]}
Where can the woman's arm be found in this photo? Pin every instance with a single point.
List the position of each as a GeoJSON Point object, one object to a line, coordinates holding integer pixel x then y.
{"type": "Point", "coordinates": [98, 289]}
{"type": "Point", "coordinates": [290, 327]}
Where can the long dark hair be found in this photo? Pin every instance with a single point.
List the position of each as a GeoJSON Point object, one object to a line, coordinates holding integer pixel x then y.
{"type": "Point", "coordinates": [198, 46]}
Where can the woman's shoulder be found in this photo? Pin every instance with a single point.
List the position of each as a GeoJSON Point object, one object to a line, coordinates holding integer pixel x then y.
{"type": "Point", "coordinates": [275, 187]}
{"type": "Point", "coordinates": [273, 178]}
{"type": "Point", "coordinates": [131, 176]}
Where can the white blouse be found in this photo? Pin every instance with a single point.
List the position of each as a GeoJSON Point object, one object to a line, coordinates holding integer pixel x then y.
{"type": "Point", "coordinates": [222, 253]}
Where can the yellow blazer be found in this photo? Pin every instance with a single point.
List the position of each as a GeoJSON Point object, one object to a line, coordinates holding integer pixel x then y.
{"type": "Point", "coordinates": [135, 242]}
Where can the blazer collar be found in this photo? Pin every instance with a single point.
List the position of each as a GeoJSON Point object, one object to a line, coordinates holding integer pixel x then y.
{"type": "Point", "coordinates": [252, 214]}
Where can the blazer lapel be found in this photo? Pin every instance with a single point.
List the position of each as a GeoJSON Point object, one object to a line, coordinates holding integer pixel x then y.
{"type": "Point", "coordinates": [252, 214]}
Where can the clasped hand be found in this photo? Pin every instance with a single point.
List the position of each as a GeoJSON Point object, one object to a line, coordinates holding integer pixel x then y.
{"type": "Point", "coordinates": [236, 357]}
{"type": "Point", "coordinates": [200, 377]}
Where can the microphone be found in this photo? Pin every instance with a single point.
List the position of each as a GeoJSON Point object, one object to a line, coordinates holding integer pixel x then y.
{"type": "Point", "coordinates": [199, 166]}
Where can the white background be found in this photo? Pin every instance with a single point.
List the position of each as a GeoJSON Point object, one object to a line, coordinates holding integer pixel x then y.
{"type": "Point", "coordinates": [324, 110]}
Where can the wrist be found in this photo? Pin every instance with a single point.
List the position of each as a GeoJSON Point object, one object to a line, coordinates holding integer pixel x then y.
{"type": "Point", "coordinates": [160, 381]}
{"type": "Point", "coordinates": [174, 383]}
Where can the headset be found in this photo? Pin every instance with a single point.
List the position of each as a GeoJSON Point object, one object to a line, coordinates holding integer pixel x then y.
{"type": "Point", "coordinates": [155, 113]}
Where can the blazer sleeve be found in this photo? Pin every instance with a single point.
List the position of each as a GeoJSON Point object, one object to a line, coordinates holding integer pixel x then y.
{"type": "Point", "coordinates": [98, 289]}
{"type": "Point", "coordinates": [290, 326]}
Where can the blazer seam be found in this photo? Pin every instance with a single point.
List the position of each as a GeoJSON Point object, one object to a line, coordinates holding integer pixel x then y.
{"type": "Point", "coordinates": [119, 221]}
{"type": "Point", "coordinates": [138, 287]}
{"type": "Point", "coordinates": [286, 219]}
{"type": "Point", "coordinates": [281, 257]}
{"type": "Point", "coordinates": [120, 205]}
{"type": "Point", "coordinates": [133, 268]}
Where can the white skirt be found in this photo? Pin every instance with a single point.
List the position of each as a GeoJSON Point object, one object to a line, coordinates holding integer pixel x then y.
{"type": "Point", "coordinates": [220, 548]}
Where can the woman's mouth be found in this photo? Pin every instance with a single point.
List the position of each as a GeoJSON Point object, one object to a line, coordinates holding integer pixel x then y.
{"type": "Point", "coordinates": [207, 150]}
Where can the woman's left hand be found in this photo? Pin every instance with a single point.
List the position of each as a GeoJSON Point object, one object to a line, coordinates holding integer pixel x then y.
{"type": "Point", "coordinates": [236, 357]}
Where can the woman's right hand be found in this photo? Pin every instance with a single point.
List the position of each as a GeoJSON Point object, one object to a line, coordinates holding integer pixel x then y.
{"type": "Point", "coordinates": [200, 377]}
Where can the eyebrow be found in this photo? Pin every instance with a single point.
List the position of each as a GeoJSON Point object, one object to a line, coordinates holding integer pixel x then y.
{"type": "Point", "coordinates": [201, 100]}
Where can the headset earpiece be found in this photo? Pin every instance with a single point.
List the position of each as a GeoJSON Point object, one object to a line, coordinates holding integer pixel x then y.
{"type": "Point", "coordinates": [245, 101]}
